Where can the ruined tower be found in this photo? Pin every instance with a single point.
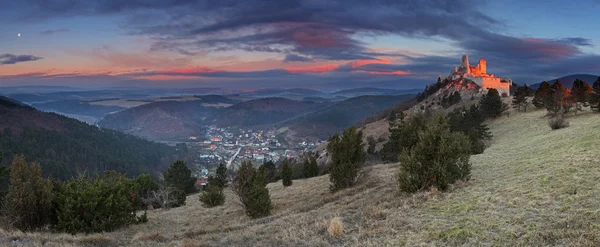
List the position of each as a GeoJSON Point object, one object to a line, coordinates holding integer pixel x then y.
{"type": "Point", "coordinates": [465, 64]}
{"type": "Point", "coordinates": [482, 66]}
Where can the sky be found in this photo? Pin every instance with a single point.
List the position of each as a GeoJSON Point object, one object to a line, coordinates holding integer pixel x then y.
{"type": "Point", "coordinates": [320, 44]}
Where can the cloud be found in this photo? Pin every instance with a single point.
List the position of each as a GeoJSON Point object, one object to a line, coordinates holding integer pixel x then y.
{"type": "Point", "coordinates": [54, 31]}
{"type": "Point", "coordinates": [13, 59]}
{"type": "Point", "coordinates": [296, 58]}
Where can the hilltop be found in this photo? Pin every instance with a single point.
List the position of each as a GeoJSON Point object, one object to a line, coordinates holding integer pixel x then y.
{"type": "Point", "coordinates": [321, 124]}
{"type": "Point", "coordinates": [531, 187]}
{"type": "Point", "coordinates": [167, 120]}
{"type": "Point", "coordinates": [265, 111]}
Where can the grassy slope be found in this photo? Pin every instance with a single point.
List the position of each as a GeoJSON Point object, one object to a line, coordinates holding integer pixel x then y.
{"type": "Point", "coordinates": [532, 187]}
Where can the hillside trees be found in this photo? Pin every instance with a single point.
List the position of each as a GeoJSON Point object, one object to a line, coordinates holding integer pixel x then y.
{"type": "Point", "coordinates": [519, 101]}
{"type": "Point", "coordinates": [471, 123]}
{"type": "Point", "coordinates": [559, 101]}
{"type": "Point", "coordinates": [249, 186]}
{"type": "Point", "coordinates": [581, 93]}
{"type": "Point", "coordinates": [542, 95]}
{"type": "Point", "coordinates": [259, 200]}
{"type": "Point", "coordinates": [213, 195]}
{"type": "Point", "coordinates": [311, 168]}
{"type": "Point", "coordinates": [180, 176]}
{"type": "Point", "coordinates": [271, 171]}
{"type": "Point", "coordinates": [403, 135]}
{"type": "Point", "coordinates": [491, 104]}
{"type": "Point", "coordinates": [286, 173]}
{"type": "Point", "coordinates": [29, 199]}
{"type": "Point", "coordinates": [595, 97]}
{"type": "Point", "coordinates": [242, 182]}
{"type": "Point", "coordinates": [221, 176]}
{"type": "Point", "coordinates": [347, 157]}
{"type": "Point", "coordinates": [439, 158]}
{"type": "Point", "coordinates": [96, 204]}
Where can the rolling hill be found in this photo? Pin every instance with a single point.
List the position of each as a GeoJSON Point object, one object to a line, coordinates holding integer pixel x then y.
{"type": "Point", "coordinates": [167, 120]}
{"type": "Point", "coordinates": [66, 147]}
{"type": "Point", "coordinates": [265, 111]}
{"type": "Point", "coordinates": [321, 124]}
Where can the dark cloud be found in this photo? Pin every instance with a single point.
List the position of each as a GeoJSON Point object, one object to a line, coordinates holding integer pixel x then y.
{"type": "Point", "coordinates": [13, 59]}
{"type": "Point", "coordinates": [306, 30]}
{"type": "Point", "coordinates": [54, 31]}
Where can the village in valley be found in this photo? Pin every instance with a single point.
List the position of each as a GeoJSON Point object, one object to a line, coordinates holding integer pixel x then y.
{"type": "Point", "coordinates": [231, 146]}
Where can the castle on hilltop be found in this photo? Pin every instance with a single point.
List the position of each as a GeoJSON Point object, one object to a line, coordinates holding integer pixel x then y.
{"type": "Point", "coordinates": [478, 74]}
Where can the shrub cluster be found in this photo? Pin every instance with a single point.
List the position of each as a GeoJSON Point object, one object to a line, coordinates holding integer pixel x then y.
{"type": "Point", "coordinates": [213, 194]}
{"type": "Point", "coordinates": [439, 158]}
{"type": "Point", "coordinates": [83, 204]}
{"type": "Point", "coordinates": [249, 186]}
{"type": "Point", "coordinates": [347, 158]}
{"type": "Point", "coordinates": [286, 173]}
{"type": "Point", "coordinates": [96, 204]}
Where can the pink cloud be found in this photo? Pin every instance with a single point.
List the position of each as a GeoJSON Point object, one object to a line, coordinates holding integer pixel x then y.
{"type": "Point", "coordinates": [313, 69]}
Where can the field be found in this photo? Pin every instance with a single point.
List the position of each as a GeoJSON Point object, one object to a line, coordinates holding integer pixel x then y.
{"type": "Point", "coordinates": [531, 187]}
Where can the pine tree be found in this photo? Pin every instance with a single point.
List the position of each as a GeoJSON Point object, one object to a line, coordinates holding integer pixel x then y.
{"type": "Point", "coordinates": [286, 173]}
{"type": "Point", "coordinates": [221, 178]}
{"type": "Point", "coordinates": [440, 158]}
{"type": "Point", "coordinates": [519, 101]}
{"type": "Point", "coordinates": [242, 183]}
{"type": "Point", "coordinates": [180, 176]}
{"type": "Point", "coordinates": [581, 93]}
{"type": "Point", "coordinates": [595, 97]}
{"type": "Point", "coordinates": [271, 171]}
{"type": "Point", "coordinates": [542, 94]}
{"type": "Point", "coordinates": [29, 199]}
{"type": "Point", "coordinates": [403, 135]}
{"type": "Point", "coordinates": [558, 102]}
{"type": "Point", "coordinates": [491, 104]}
{"type": "Point", "coordinates": [259, 200]}
{"type": "Point", "coordinates": [314, 166]}
{"type": "Point", "coordinates": [213, 194]}
{"type": "Point", "coordinates": [471, 123]}
{"type": "Point", "coordinates": [347, 157]}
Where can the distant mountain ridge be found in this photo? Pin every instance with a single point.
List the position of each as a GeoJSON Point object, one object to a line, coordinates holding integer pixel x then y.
{"type": "Point", "coordinates": [265, 111]}
{"type": "Point", "coordinates": [568, 80]}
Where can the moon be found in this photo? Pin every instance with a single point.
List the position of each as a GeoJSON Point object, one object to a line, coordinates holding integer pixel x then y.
{"type": "Point", "coordinates": [18, 34]}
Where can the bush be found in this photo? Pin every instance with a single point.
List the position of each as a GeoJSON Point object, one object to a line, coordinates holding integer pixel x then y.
{"type": "Point", "coordinates": [286, 173]}
{"type": "Point", "coordinates": [212, 196]}
{"type": "Point", "coordinates": [311, 168]}
{"type": "Point", "coordinates": [259, 200]}
{"type": "Point", "coordinates": [221, 178]}
{"type": "Point", "coordinates": [440, 158]}
{"type": "Point", "coordinates": [29, 199]}
{"type": "Point", "coordinates": [165, 198]}
{"type": "Point", "coordinates": [96, 204]}
{"type": "Point", "coordinates": [180, 177]}
{"type": "Point", "coordinates": [347, 157]}
{"type": "Point", "coordinates": [144, 185]}
{"type": "Point", "coordinates": [403, 136]}
{"type": "Point", "coordinates": [178, 196]}
{"type": "Point", "coordinates": [270, 171]}
{"type": "Point", "coordinates": [558, 122]}
{"type": "Point", "coordinates": [242, 183]}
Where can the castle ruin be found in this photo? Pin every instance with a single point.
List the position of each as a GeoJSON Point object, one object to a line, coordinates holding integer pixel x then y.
{"type": "Point", "coordinates": [478, 74]}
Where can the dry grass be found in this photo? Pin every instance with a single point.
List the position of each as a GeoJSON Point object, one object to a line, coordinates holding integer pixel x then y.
{"type": "Point", "coordinates": [336, 228]}
{"type": "Point", "coordinates": [532, 187]}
